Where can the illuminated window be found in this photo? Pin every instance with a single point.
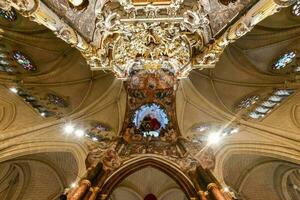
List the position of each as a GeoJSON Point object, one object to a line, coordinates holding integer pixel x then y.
{"type": "Point", "coordinates": [57, 100]}
{"type": "Point", "coordinates": [273, 100]}
{"type": "Point", "coordinates": [283, 92]}
{"type": "Point", "coordinates": [297, 69]}
{"type": "Point", "coordinates": [7, 69]}
{"type": "Point", "coordinates": [268, 104]}
{"type": "Point", "coordinates": [101, 127]}
{"type": "Point", "coordinates": [150, 119]}
{"type": "Point", "coordinates": [296, 9]}
{"type": "Point", "coordinates": [8, 15]}
{"type": "Point", "coordinates": [262, 109]}
{"type": "Point", "coordinates": [247, 102]}
{"type": "Point", "coordinates": [31, 100]}
{"type": "Point", "coordinates": [256, 115]}
{"type": "Point", "coordinates": [24, 61]}
{"type": "Point", "coordinates": [284, 60]}
{"type": "Point", "coordinates": [4, 61]}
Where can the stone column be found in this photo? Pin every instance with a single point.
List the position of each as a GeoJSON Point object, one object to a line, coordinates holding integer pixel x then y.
{"type": "Point", "coordinates": [215, 192]}
{"type": "Point", "coordinates": [88, 194]}
{"type": "Point", "coordinates": [94, 193]}
{"type": "Point", "coordinates": [199, 185]}
{"type": "Point", "coordinates": [98, 179]}
{"type": "Point", "coordinates": [81, 190]}
{"type": "Point", "coordinates": [202, 195]}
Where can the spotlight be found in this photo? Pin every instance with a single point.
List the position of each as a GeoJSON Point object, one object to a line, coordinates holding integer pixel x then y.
{"type": "Point", "coordinates": [69, 128]}
{"type": "Point", "coordinates": [94, 139]}
{"type": "Point", "coordinates": [214, 138]}
{"type": "Point", "coordinates": [226, 189]}
{"type": "Point", "coordinates": [79, 133]}
{"type": "Point", "coordinates": [73, 185]}
{"type": "Point", "coordinates": [14, 90]}
{"type": "Point", "coordinates": [43, 114]}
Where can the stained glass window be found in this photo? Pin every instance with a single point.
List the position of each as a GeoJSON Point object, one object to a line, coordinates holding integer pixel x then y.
{"type": "Point", "coordinates": [8, 15]}
{"type": "Point", "coordinates": [256, 115]}
{"type": "Point", "coordinates": [57, 100]}
{"type": "Point", "coordinates": [8, 69]}
{"type": "Point", "coordinates": [150, 119]}
{"type": "Point", "coordinates": [101, 127]}
{"type": "Point", "coordinates": [3, 61]}
{"type": "Point", "coordinates": [273, 100]}
{"type": "Point", "coordinates": [24, 61]}
{"type": "Point", "coordinates": [296, 9]}
{"type": "Point", "coordinates": [201, 128]}
{"type": "Point", "coordinates": [268, 104]}
{"type": "Point", "coordinates": [283, 92]}
{"type": "Point", "coordinates": [3, 55]}
{"type": "Point", "coordinates": [247, 102]}
{"type": "Point", "coordinates": [262, 109]}
{"type": "Point", "coordinates": [284, 60]}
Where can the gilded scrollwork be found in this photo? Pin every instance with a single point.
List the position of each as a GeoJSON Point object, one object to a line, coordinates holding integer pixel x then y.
{"type": "Point", "coordinates": [189, 47]}
{"type": "Point", "coordinates": [260, 11]}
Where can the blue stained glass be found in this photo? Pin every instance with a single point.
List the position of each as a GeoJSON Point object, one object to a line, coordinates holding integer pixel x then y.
{"type": "Point", "coordinates": [24, 61]}
{"type": "Point", "coordinates": [284, 60]}
{"type": "Point", "coordinates": [8, 15]}
{"type": "Point", "coordinates": [151, 111]}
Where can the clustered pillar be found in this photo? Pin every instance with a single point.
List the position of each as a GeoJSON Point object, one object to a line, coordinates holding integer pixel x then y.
{"type": "Point", "coordinates": [89, 186]}
{"type": "Point", "coordinates": [207, 186]}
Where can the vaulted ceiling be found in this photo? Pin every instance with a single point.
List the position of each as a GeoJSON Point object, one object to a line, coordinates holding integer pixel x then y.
{"type": "Point", "coordinates": [269, 148]}
{"type": "Point", "coordinates": [148, 181]}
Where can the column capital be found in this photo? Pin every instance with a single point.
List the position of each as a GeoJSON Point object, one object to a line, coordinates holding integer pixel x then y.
{"type": "Point", "coordinates": [86, 182]}
{"type": "Point", "coordinates": [212, 185]}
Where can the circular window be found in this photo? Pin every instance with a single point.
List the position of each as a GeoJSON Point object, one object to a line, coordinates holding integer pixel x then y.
{"type": "Point", "coordinates": [150, 119]}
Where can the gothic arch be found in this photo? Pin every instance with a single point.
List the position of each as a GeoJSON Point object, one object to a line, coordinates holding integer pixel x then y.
{"type": "Point", "coordinates": [156, 162]}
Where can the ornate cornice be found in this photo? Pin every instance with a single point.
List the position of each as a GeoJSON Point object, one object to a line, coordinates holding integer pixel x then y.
{"type": "Point", "coordinates": [196, 27]}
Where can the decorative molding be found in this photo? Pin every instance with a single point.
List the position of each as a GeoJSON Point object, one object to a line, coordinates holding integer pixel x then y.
{"type": "Point", "coordinates": [256, 14]}
{"type": "Point", "coordinates": [37, 11]}
{"type": "Point", "coordinates": [109, 26]}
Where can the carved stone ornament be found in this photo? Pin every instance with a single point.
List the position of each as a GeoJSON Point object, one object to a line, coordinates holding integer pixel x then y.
{"type": "Point", "coordinates": [181, 35]}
